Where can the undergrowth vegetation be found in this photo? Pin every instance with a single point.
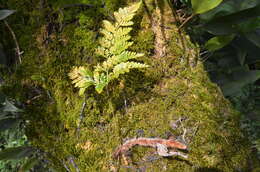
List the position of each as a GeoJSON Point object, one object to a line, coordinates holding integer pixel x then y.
{"type": "Point", "coordinates": [230, 36]}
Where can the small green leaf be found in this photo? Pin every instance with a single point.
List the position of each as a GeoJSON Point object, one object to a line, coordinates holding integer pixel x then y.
{"type": "Point", "coordinates": [103, 81]}
{"type": "Point", "coordinates": [37, 77]}
{"type": "Point", "coordinates": [15, 153]}
{"type": "Point", "coordinates": [218, 42]}
{"type": "Point", "coordinates": [99, 88]}
{"type": "Point", "coordinates": [202, 6]}
{"type": "Point", "coordinates": [5, 13]}
{"type": "Point", "coordinates": [82, 91]}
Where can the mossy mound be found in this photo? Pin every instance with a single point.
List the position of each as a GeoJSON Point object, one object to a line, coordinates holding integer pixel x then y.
{"type": "Point", "coordinates": [176, 85]}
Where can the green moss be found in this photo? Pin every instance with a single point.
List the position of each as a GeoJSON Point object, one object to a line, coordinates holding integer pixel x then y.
{"type": "Point", "coordinates": [147, 100]}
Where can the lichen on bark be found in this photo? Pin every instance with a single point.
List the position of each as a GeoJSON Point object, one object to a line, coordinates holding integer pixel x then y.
{"type": "Point", "coordinates": [176, 85]}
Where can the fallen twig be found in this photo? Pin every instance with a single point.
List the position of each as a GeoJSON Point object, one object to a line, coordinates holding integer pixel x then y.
{"type": "Point", "coordinates": [162, 146]}
{"type": "Point", "coordinates": [18, 52]}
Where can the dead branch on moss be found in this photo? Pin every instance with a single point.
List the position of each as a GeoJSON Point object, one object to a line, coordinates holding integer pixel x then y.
{"type": "Point", "coordinates": [161, 145]}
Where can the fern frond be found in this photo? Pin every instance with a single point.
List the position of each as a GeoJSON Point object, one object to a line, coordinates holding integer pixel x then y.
{"type": "Point", "coordinates": [125, 15]}
{"type": "Point", "coordinates": [113, 46]}
{"type": "Point", "coordinates": [125, 67]}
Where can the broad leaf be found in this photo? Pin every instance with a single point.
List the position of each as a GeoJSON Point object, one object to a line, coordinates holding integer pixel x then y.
{"type": "Point", "coordinates": [230, 24]}
{"type": "Point", "coordinates": [225, 8]}
{"type": "Point", "coordinates": [250, 25]}
{"type": "Point", "coordinates": [9, 107]}
{"type": "Point", "coordinates": [4, 115]}
{"type": "Point", "coordinates": [8, 123]}
{"type": "Point", "coordinates": [228, 7]}
{"type": "Point", "coordinates": [239, 80]}
{"type": "Point", "coordinates": [252, 51]}
{"type": "Point", "coordinates": [202, 6]}
{"type": "Point", "coordinates": [218, 42]}
{"type": "Point", "coordinates": [254, 37]}
{"type": "Point", "coordinates": [15, 153]}
{"type": "Point", "coordinates": [5, 13]}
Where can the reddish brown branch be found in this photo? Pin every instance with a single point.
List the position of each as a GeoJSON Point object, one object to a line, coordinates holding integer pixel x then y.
{"type": "Point", "coordinates": [160, 144]}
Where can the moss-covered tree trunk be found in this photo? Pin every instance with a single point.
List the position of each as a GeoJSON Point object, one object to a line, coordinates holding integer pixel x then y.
{"type": "Point", "coordinates": [143, 103]}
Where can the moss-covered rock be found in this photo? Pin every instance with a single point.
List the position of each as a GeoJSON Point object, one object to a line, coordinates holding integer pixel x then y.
{"type": "Point", "coordinates": [148, 102]}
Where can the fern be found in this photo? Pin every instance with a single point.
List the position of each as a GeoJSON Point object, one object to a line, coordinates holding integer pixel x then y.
{"type": "Point", "coordinates": [113, 47]}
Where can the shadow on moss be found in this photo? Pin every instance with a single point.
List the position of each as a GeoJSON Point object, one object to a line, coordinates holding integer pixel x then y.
{"type": "Point", "coordinates": [205, 169]}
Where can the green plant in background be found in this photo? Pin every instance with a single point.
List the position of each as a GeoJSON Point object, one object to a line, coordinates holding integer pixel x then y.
{"type": "Point", "coordinates": [3, 15]}
{"type": "Point", "coordinates": [14, 147]}
{"type": "Point", "coordinates": [233, 27]}
{"type": "Point", "coordinates": [10, 120]}
{"type": "Point", "coordinates": [13, 141]}
{"type": "Point", "coordinates": [16, 154]}
{"type": "Point", "coordinates": [113, 47]}
{"type": "Point", "coordinates": [234, 30]}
